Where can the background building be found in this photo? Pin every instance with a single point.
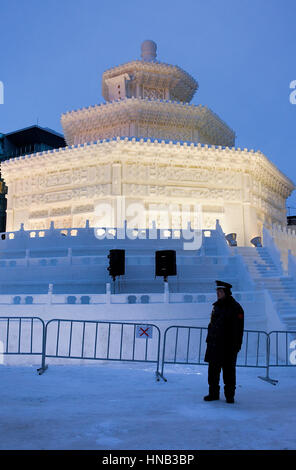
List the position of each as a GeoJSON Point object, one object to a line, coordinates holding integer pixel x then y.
{"type": "Point", "coordinates": [29, 140]}
{"type": "Point", "coordinates": [18, 143]}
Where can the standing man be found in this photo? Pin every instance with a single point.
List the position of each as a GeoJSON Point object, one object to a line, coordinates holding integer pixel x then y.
{"type": "Point", "coordinates": [224, 340]}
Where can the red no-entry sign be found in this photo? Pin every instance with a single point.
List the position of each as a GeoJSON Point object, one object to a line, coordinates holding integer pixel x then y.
{"type": "Point", "coordinates": [144, 331]}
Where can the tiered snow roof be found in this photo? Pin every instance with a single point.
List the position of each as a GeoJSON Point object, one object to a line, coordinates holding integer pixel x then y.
{"type": "Point", "coordinates": [147, 98]}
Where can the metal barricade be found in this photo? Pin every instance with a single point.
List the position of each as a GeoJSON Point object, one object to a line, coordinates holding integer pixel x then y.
{"type": "Point", "coordinates": [135, 342]}
{"type": "Point", "coordinates": [282, 348]}
{"type": "Point", "coordinates": [102, 340]}
{"type": "Point", "coordinates": [177, 345]}
{"type": "Point", "coordinates": [22, 336]}
{"type": "Point", "coordinates": [187, 345]}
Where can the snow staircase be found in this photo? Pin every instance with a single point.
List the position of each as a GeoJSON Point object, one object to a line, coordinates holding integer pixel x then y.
{"type": "Point", "coordinates": [267, 275]}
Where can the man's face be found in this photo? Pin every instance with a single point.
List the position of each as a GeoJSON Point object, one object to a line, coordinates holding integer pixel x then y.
{"type": "Point", "coordinates": [220, 293]}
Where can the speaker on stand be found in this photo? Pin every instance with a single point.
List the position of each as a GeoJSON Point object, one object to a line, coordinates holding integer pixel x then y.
{"type": "Point", "coordinates": [165, 264]}
{"type": "Point", "coordinates": [116, 264]}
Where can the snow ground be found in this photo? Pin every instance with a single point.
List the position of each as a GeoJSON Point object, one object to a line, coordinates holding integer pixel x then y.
{"type": "Point", "coordinates": [122, 406]}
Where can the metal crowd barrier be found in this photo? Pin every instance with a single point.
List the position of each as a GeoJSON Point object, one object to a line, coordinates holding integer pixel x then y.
{"type": "Point", "coordinates": [255, 352]}
{"type": "Point", "coordinates": [282, 348]}
{"type": "Point", "coordinates": [187, 345]}
{"type": "Point", "coordinates": [22, 336]}
{"type": "Point", "coordinates": [102, 340]}
{"type": "Point", "coordinates": [135, 342]}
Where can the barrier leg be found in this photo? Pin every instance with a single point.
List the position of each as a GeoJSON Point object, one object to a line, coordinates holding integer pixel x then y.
{"type": "Point", "coordinates": [41, 370]}
{"type": "Point", "coordinates": [159, 375]}
{"type": "Point", "coordinates": [267, 378]}
{"type": "Point", "coordinates": [43, 367]}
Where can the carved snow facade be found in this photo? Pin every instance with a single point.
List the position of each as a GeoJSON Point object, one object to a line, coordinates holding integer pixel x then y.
{"type": "Point", "coordinates": [241, 188]}
{"type": "Point", "coordinates": [147, 144]}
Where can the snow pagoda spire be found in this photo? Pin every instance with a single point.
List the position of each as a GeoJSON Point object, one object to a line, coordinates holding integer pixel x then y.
{"type": "Point", "coordinates": [148, 50]}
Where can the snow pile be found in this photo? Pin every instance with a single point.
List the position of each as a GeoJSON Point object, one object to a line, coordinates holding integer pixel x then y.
{"type": "Point", "coordinates": [121, 406]}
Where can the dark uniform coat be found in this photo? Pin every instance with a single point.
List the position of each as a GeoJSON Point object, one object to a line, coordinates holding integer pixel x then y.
{"type": "Point", "coordinates": [225, 331]}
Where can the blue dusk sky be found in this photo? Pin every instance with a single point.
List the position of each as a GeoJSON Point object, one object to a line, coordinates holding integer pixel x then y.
{"type": "Point", "coordinates": [242, 53]}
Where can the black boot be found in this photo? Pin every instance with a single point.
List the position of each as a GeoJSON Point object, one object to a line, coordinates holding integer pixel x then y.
{"type": "Point", "coordinates": [211, 397]}
{"type": "Point", "coordinates": [229, 400]}
{"type": "Point", "coordinates": [214, 394]}
{"type": "Point", "coordinates": [229, 394]}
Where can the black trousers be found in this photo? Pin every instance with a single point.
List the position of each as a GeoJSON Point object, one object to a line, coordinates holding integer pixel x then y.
{"type": "Point", "coordinates": [229, 377]}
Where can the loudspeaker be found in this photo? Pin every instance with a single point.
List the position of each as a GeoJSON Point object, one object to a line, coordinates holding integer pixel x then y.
{"type": "Point", "coordinates": [256, 241]}
{"type": "Point", "coordinates": [116, 263]}
{"type": "Point", "coordinates": [231, 239]}
{"type": "Point", "coordinates": [165, 263]}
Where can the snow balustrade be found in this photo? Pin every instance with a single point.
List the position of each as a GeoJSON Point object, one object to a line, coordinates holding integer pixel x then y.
{"type": "Point", "coordinates": [61, 339]}
{"type": "Point", "coordinates": [120, 298]}
{"type": "Point", "coordinates": [54, 259]}
{"type": "Point", "coordinates": [276, 247]}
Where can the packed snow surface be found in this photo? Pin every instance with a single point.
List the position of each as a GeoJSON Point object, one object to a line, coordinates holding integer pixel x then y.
{"type": "Point", "coordinates": [122, 406]}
